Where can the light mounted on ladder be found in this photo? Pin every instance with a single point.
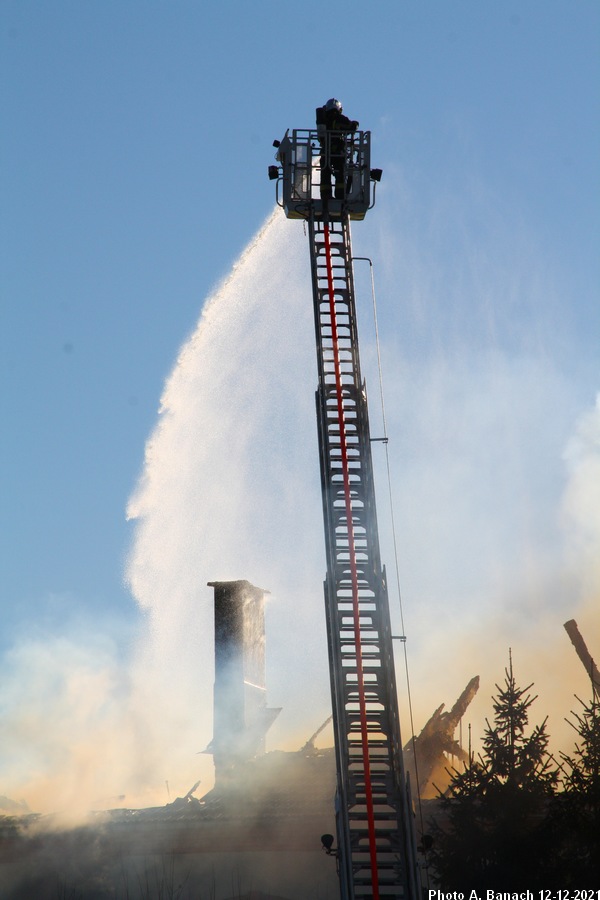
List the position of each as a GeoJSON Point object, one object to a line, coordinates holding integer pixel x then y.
{"type": "Point", "coordinates": [327, 843]}
{"type": "Point", "coordinates": [375, 174]}
{"type": "Point", "coordinates": [274, 170]}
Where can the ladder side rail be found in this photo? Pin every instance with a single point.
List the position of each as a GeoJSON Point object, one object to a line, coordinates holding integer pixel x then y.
{"type": "Point", "coordinates": [342, 822]}
{"type": "Point", "coordinates": [383, 607]}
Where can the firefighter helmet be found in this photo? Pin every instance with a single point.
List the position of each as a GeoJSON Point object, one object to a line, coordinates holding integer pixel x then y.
{"type": "Point", "coordinates": [333, 104]}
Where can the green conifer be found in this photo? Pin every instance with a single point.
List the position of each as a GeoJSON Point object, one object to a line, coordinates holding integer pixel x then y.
{"type": "Point", "coordinates": [491, 834]}
{"type": "Point", "coordinates": [575, 815]}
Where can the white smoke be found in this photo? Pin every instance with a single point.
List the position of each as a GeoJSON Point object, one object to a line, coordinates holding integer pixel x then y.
{"type": "Point", "coordinates": [498, 542]}
{"type": "Point", "coordinates": [65, 721]}
{"type": "Point", "coordinates": [484, 392]}
{"type": "Point", "coordinates": [230, 489]}
{"type": "Point", "coordinates": [581, 506]}
{"type": "Point", "coordinates": [477, 422]}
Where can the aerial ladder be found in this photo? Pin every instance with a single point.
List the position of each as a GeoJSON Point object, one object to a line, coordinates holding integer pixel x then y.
{"type": "Point", "coordinates": [376, 846]}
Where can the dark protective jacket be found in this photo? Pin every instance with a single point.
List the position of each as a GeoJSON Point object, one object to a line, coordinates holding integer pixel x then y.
{"type": "Point", "coordinates": [334, 120]}
{"type": "Point", "coordinates": [333, 150]}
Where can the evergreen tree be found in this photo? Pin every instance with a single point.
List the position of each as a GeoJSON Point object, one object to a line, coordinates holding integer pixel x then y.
{"type": "Point", "coordinates": [491, 833]}
{"type": "Point", "coordinates": [575, 818]}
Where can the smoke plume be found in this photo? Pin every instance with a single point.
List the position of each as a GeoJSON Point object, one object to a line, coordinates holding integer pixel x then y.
{"type": "Point", "coordinates": [494, 463]}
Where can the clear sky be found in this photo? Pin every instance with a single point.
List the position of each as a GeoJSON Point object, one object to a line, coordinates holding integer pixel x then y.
{"type": "Point", "coordinates": [135, 142]}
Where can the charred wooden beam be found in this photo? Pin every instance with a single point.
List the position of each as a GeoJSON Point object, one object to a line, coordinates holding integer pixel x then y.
{"type": "Point", "coordinates": [583, 653]}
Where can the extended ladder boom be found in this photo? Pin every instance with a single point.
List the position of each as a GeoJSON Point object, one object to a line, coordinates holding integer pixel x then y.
{"type": "Point", "coordinates": [376, 847]}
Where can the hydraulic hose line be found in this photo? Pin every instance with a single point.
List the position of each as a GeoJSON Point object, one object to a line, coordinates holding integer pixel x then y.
{"type": "Point", "coordinates": [353, 571]}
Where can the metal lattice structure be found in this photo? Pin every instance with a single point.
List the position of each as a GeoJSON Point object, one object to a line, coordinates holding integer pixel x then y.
{"type": "Point", "coordinates": [375, 831]}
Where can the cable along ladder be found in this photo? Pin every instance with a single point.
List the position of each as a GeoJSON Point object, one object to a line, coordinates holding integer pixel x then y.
{"type": "Point", "coordinates": [374, 818]}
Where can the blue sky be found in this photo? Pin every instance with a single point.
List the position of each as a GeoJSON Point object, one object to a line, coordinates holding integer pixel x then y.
{"type": "Point", "coordinates": [135, 144]}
